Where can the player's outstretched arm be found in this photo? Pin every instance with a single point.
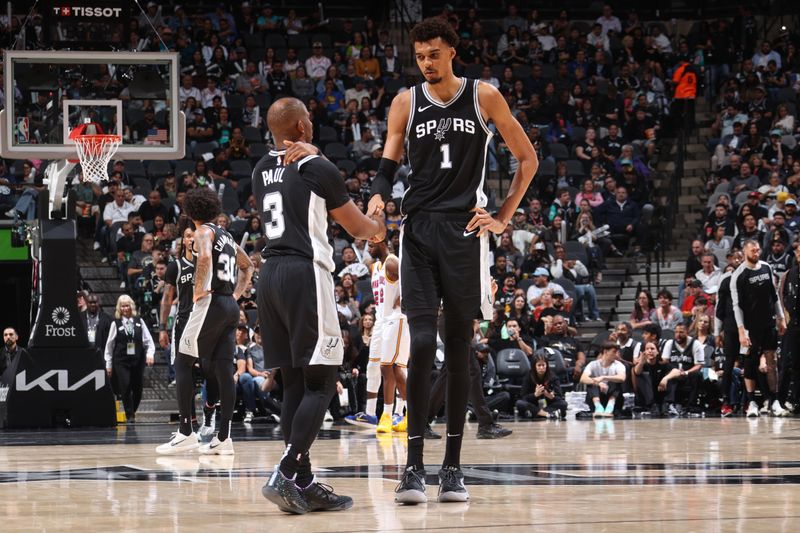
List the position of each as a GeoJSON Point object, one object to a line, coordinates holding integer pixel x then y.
{"type": "Point", "coordinates": [496, 108]}
{"type": "Point", "coordinates": [203, 242]}
{"type": "Point", "coordinates": [357, 224]}
{"type": "Point", "coordinates": [392, 151]}
{"type": "Point", "coordinates": [245, 267]}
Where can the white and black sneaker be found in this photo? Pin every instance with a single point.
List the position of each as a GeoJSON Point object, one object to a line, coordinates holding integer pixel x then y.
{"type": "Point", "coordinates": [215, 447]}
{"type": "Point", "coordinates": [248, 417]}
{"type": "Point", "coordinates": [451, 485]}
{"type": "Point", "coordinates": [179, 443]}
{"type": "Point", "coordinates": [777, 410]}
{"type": "Point", "coordinates": [411, 489]}
{"type": "Point", "coordinates": [752, 410]}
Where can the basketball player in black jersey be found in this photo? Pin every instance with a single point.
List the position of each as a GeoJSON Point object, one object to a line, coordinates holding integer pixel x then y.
{"type": "Point", "coordinates": [727, 333]}
{"type": "Point", "coordinates": [759, 319]}
{"type": "Point", "coordinates": [444, 241]}
{"type": "Point", "coordinates": [179, 280]}
{"type": "Point", "coordinates": [222, 269]}
{"type": "Point", "coordinates": [296, 307]}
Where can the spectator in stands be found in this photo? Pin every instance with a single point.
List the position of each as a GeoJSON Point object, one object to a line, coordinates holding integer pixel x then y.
{"type": "Point", "coordinates": [666, 315]}
{"type": "Point", "coordinates": [748, 231]}
{"type": "Point", "coordinates": [720, 218]}
{"type": "Point", "coordinates": [603, 378]}
{"type": "Point", "coordinates": [10, 352]}
{"type": "Point", "coordinates": [623, 217]}
{"type": "Point", "coordinates": [576, 272]}
{"type": "Point", "coordinates": [541, 397]}
{"type": "Point", "coordinates": [589, 194]}
{"type": "Point", "coordinates": [257, 381]}
{"type": "Point", "coordinates": [609, 22]}
{"type": "Point", "coordinates": [512, 338]}
{"type": "Point", "coordinates": [709, 275]}
{"type": "Point", "coordinates": [650, 375]}
{"type": "Point", "coordinates": [643, 307]}
{"type": "Point", "coordinates": [744, 181]}
{"type": "Point", "coordinates": [693, 261]}
{"type": "Point", "coordinates": [153, 207]}
{"type": "Point", "coordinates": [135, 253]}
{"type": "Point", "coordinates": [557, 336]}
{"type": "Point", "coordinates": [720, 245]}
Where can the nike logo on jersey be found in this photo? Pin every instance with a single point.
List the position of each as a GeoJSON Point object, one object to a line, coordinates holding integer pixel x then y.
{"type": "Point", "coordinates": [468, 233]}
{"type": "Point", "coordinates": [420, 109]}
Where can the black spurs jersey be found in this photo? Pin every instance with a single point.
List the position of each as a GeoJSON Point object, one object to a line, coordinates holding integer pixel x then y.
{"type": "Point", "coordinates": [294, 202]}
{"type": "Point", "coordinates": [754, 296]}
{"type": "Point", "coordinates": [222, 278]}
{"type": "Point", "coordinates": [779, 263]}
{"type": "Point", "coordinates": [446, 147]}
{"type": "Point", "coordinates": [180, 273]}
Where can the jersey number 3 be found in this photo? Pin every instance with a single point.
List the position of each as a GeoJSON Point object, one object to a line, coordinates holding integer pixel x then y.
{"type": "Point", "coordinates": [273, 204]}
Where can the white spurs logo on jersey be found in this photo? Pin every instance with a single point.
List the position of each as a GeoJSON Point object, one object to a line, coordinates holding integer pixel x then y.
{"type": "Point", "coordinates": [442, 126]}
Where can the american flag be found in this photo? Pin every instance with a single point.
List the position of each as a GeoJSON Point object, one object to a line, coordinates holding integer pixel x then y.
{"type": "Point", "coordinates": [156, 135]}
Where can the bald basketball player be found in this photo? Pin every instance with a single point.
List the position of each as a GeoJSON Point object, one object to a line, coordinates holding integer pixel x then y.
{"type": "Point", "coordinates": [296, 307]}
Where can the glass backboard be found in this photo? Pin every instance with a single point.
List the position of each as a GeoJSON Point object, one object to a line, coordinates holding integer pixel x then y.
{"type": "Point", "coordinates": [131, 94]}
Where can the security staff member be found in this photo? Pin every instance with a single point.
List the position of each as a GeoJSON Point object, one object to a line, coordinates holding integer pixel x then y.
{"type": "Point", "coordinates": [97, 322]}
{"type": "Point", "coordinates": [128, 348]}
{"type": "Point", "coordinates": [10, 351]}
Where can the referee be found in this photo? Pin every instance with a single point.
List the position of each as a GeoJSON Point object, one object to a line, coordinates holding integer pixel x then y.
{"type": "Point", "coordinates": [759, 320]}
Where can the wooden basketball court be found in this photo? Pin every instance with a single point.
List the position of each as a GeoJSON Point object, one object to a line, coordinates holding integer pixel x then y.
{"type": "Point", "coordinates": [644, 475]}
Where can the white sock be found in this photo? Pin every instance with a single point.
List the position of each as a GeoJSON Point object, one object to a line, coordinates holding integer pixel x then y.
{"type": "Point", "coordinates": [388, 408]}
{"type": "Point", "coordinates": [400, 405]}
{"type": "Point", "coordinates": [372, 406]}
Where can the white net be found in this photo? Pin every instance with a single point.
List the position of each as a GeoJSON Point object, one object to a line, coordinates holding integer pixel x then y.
{"type": "Point", "coordinates": [94, 153]}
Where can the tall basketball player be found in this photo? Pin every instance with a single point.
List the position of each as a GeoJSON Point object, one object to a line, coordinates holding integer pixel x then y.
{"type": "Point", "coordinates": [296, 306]}
{"type": "Point", "coordinates": [222, 270]}
{"type": "Point", "coordinates": [179, 281]}
{"type": "Point", "coordinates": [444, 241]}
{"type": "Point", "coordinates": [394, 340]}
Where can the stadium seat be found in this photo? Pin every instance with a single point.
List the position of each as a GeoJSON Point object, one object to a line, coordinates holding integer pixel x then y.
{"type": "Point", "coordinates": [298, 41]}
{"type": "Point", "coordinates": [555, 360]}
{"type": "Point", "coordinates": [335, 151]}
{"type": "Point", "coordinates": [558, 151]}
{"type": "Point", "coordinates": [575, 168]}
{"type": "Point", "coordinates": [547, 167]}
{"type": "Point", "coordinates": [184, 165]}
{"type": "Point", "coordinates": [230, 200]}
{"type": "Point", "coordinates": [275, 40]}
{"type": "Point", "coordinates": [473, 71]}
{"type": "Point", "coordinates": [347, 165]}
{"type": "Point", "coordinates": [327, 135]}
{"type": "Point", "coordinates": [252, 135]}
{"type": "Point", "coordinates": [235, 101]}
{"type": "Point", "coordinates": [394, 86]}
{"type": "Point", "coordinates": [714, 198]}
{"type": "Point", "coordinates": [237, 228]}
{"type": "Point", "coordinates": [204, 148]}
{"type": "Point", "coordinates": [578, 134]}
{"type": "Point", "coordinates": [240, 168]}
{"type": "Point", "coordinates": [258, 150]}
{"type": "Point", "coordinates": [512, 367]}
{"type": "Point", "coordinates": [522, 71]}
{"type": "Point", "coordinates": [159, 169]}
{"type": "Point", "coordinates": [576, 250]}
{"type": "Point", "coordinates": [568, 287]}
{"type": "Point", "coordinates": [135, 168]}
{"type": "Point", "coordinates": [524, 284]}
{"type": "Point", "coordinates": [142, 191]}
{"type": "Point", "coordinates": [324, 38]}
{"type": "Point", "coordinates": [142, 183]}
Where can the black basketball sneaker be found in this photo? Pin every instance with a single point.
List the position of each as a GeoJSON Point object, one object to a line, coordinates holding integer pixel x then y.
{"type": "Point", "coordinates": [451, 485]}
{"type": "Point", "coordinates": [411, 489]}
{"type": "Point", "coordinates": [320, 497]}
{"type": "Point", "coordinates": [284, 493]}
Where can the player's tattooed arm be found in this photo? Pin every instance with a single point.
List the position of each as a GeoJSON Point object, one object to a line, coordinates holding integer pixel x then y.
{"type": "Point", "coordinates": [203, 238]}
{"type": "Point", "coordinates": [245, 267]}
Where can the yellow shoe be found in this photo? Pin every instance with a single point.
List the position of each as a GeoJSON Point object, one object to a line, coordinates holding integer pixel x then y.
{"type": "Point", "coordinates": [385, 424]}
{"type": "Point", "coordinates": [401, 426]}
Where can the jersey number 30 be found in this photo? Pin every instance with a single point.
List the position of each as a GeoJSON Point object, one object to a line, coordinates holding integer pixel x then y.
{"type": "Point", "coordinates": [273, 204]}
{"type": "Point", "coordinates": [227, 268]}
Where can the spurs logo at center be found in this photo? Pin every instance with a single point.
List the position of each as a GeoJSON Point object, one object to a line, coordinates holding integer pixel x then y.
{"type": "Point", "coordinates": [444, 125]}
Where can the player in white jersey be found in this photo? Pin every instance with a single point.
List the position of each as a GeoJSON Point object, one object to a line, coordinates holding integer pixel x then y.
{"type": "Point", "coordinates": [394, 339]}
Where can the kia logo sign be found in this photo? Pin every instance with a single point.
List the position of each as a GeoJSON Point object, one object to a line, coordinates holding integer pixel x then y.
{"type": "Point", "coordinates": [62, 383]}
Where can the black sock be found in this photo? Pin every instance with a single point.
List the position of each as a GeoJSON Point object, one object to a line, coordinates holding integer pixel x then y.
{"type": "Point", "coordinates": [208, 412]}
{"type": "Point", "coordinates": [184, 389]}
{"type": "Point", "coordinates": [304, 475]}
{"type": "Point", "coordinates": [452, 451]}
{"type": "Point", "coordinates": [227, 395]}
{"type": "Point", "coordinates": [751, 397]}
{"type": "Point", "coordinates": [418, 386]}
{"type": "Point", "coordinates": [290, 462]}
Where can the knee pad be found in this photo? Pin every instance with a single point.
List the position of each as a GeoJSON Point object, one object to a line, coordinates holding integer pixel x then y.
{"type": "Point", "coordinates": [373, 377]}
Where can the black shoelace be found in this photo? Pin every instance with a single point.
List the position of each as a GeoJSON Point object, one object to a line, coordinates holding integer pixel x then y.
{"type": "Point", "coordinates": [409, 472]}
{"type": "Point", "coordinates": [449, 477]}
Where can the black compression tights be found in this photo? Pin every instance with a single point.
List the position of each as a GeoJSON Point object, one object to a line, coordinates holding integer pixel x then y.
{"type": "Point", "coordinates": [184, 388]}
{"type": "Point", "coordinates": [458, 333]}
{"type": "Point", "coordinates": [306, 395]}
{"type": "Point", "coordinates": [221, 388]}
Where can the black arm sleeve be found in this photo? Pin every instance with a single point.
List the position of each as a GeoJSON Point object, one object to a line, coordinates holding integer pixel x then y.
{"type": "Point", "coordinates": [384, 179]}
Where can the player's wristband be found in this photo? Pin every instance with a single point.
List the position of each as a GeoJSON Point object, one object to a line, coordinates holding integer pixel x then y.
{"type": "Point", "coordinates": [162, 327]}
{"type": "Point", "coordinates": [384, 178]}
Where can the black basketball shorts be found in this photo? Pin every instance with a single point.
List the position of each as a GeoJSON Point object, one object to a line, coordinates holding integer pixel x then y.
{"type": "Point", "coordinates": [297, 314]}
{"type": "Point", "coordinates": [210, 332]}
{"type": "Point", "coordinates": [440, 261]}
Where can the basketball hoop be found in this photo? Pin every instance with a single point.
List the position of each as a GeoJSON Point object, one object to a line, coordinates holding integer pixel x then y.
{"type": "Point", "coordinates": [95, 150]}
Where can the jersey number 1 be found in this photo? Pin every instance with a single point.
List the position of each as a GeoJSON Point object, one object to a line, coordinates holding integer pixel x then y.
{"type": "Point", "coordinates": [273, 204]}
{"type": "Point", "coordinates": [446, 163]}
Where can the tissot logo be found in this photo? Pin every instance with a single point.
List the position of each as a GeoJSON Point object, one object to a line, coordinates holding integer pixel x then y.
{"type": "Point", "coordinates": [44, 381]}
{"type": "Point", "coordinates": [80, 11]}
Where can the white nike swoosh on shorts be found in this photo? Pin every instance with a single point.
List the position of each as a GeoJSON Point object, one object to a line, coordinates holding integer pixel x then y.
{"type": "Point", "coordinates": [468, 233]}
